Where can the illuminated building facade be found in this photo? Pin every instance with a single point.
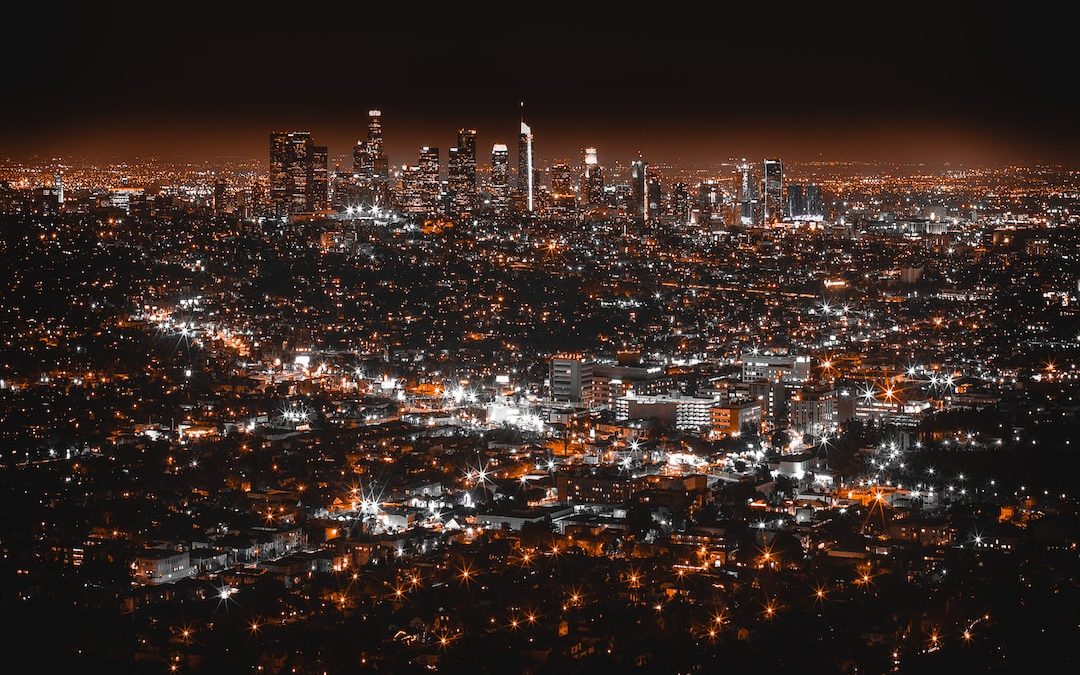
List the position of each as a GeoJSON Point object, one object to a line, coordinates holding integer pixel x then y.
{"type": "Point", "coordinates": [526, 168]}
{"type": "Point", "coordinates": [747, 194]}
{"type": "Point", "coordinates": [592, 179]}
{"type": "Point", "coordinates": [299, 181]}
{"type": "Point", "coordinates": [772, 191]}
{"type": "Point", "coordinates": [461, 174]}
{"type": "Point", "coordinates": [639, 196]}
{"type": "Point", "coordinates": [570, 377]}
{"type": "Point", "coordinates": [500, 179]}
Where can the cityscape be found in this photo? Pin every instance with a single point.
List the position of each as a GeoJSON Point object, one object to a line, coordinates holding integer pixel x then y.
{"type": "Point", "coordinates": [519, 399]}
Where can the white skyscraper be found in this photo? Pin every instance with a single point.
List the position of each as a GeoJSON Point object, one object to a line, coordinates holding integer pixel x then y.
{"type": "Point", "coordinates": [525, 166]}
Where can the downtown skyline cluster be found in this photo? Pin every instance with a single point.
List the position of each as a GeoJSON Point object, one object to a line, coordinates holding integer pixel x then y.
{"type": "Point", "coordinates": [467, 185]}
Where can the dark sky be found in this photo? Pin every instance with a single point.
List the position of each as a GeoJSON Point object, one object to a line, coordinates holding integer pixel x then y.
{"type": "Point", "coordinates": [871, 81]}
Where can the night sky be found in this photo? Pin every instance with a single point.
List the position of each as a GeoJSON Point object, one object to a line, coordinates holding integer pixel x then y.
{"type": "Point", "coordinates": [202, 80]}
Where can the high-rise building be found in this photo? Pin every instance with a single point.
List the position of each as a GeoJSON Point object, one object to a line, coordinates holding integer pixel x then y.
{"type": "Point", "coordinates": [710, 199]}
{"type": "Point", "coordinates": [773, 191]}
{"type": "Point", "coordinates": [345, 190]}
{"type": "Point", "coordinates": [680, 203]}
{"type": "Point", "coordinates": [410, 197]}
{"type": "Point", "coordinates": [592, 179]}
{"type": "Point", "coordinates": [320, 178]}
{"type": "Point", "coordinates": [653, 198]}
{"type": "Point", "coordinates": [571, 378]}
{"type": "Point", "coordinates": [220, 189]}
{"type": "Point", "coordinates": [560, 200]}
{"type": "Point", "coordinates": [429, 185]}
{"type": "Point", "coordinates": [747, 194]}
{"type": "Point", "coordinates": [58, 185]}
{"type": "Point", "coordinates": [371, 166]}
{"type": "Point", "coordinates": [500, 178]}
{"type": "Point", "coordinates": [805, 203]}
{"type": "Point", "coordinates": [796, 201]}
{"type": "Point", "coordinates": [362, 167]}
{"type": "Point", "coordinates": [526, 167]}
{"type": "Point", "coordinates": [380, 162]}
{"type": "Point", "coordinates": [815, 205]}
{"type": "Point", "coordinates": [461, 174]}
{"type": "Point", "coordinates": [639, 197]}
{"type": "Point", "coordinates": [299, 182]}
{"type": "Point", "coordinates": [466, 140]}
{"type": "Point", "coordinates": [562, 180]}
{"type": "Point", "coordinates": [458, 184]}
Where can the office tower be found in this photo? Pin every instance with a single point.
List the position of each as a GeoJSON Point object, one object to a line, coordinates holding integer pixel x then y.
{"type": "Point", "coordinates": [815, 205]}
{"type": "Point", "coordinates": [379, 160]}
{"type": "Point", "coordinates": [458, 183]}
{"type": "Point", "coordinates": [805, 202]}
{"type": "Point", "coordinates": [429, 185]}
{"type": "Point", "coordinates": [570, 378]}
{"type": "Point", "coordinates": [747, 190]}
{"type": "Point", "coordinates": [500, 178]}
{"type": "Point", "coordinates": [592, 179]}
{"type": "Point", "coordinates": [526, 177]}
{"type": "Point", "coordinates": [344, 190]}
{"type": "Point", "coordinates": [639, 198]}
{"type": "Point", "coordinates": [298, 174]}
{"type": "Point", "coordinates": [709, 200]}
{"type": "Point", "coordinates": [461, 174]}
{"type": "Point", "coordinates": [320, 179]}
{"type": "Point", "coordinates": [58, 186]}
{"type": "Point", "coordinates": [410, 198]}
{"type": "Point", "coordinates": [562, 180]}
{"type": "Point", "coordinates": [371, 166]}
{"type": "Point", "coordinates": [259, 203]}
{"type": "Point", "coordinates": [562, 202]}
{"type": "Point", "coordinates": [796, 202]}
{"type": "Point", "coordinates": [362, 166]}
{"type": "Point", "coordinates": [467, 151]}
{"type": "Point", "coordinates": [680, 204]}
{"type": "Point", "coordinates": [653, 198]}
{"type": "Point", "coordinates": [773, 191]}
{"type": "Point", "coordinates": [219, 196]}
{"type": "Point", "coordinates": [466, 140]}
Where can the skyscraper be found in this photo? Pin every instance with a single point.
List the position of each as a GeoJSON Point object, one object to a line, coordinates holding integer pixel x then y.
{"type": "Point", "coordinates": [526, 175]}
{"type": "Point", "coordinates": [592, 179]}
{"type": "Point", "coordinates": [362, 167]}
{"type": "Point", "coordinates": [461, 173]}
{"type": "Point", "coordinates": [562, 201]}
{"type": "Point", "coordinates": [680, 203]}
{"type": "Point", "coordinates": [298, 174]}
{"type": "Point", "coordinates": [371, 166]}
{"type": "Point", "coordinates": [500, 178]}
{"type": "Point", "coordinates": [709, 200]}
{"type": "Point", "coordinates": [429, 185]}
{"type": "Point", "coordinates": [653, 198]}
{"type": "Point", "coordinates": [747, 189]}
{"type": "Point", "coordinates": [639, 198]}
{"type": "Point", "coordinates": [319, 199]}
{"type": "Point", "coordinates": [380, 162]}
{"type": "Point", "coordinates": [796, 201]}
{"type": "Point", "coordinates": [220, 190]}
{"type": "Point", "coordinates": [805, 202]}
{"type": "Point", "coordinates": [815, 205]}
{"type": "Point", "coordinates": [58, 185]}
{"type": "Point", "coordinates": [410, 196]}
{"type": "Point", "coordinates": [773, 192]}
{"type": "Point", "coordinates": [562, 180]}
